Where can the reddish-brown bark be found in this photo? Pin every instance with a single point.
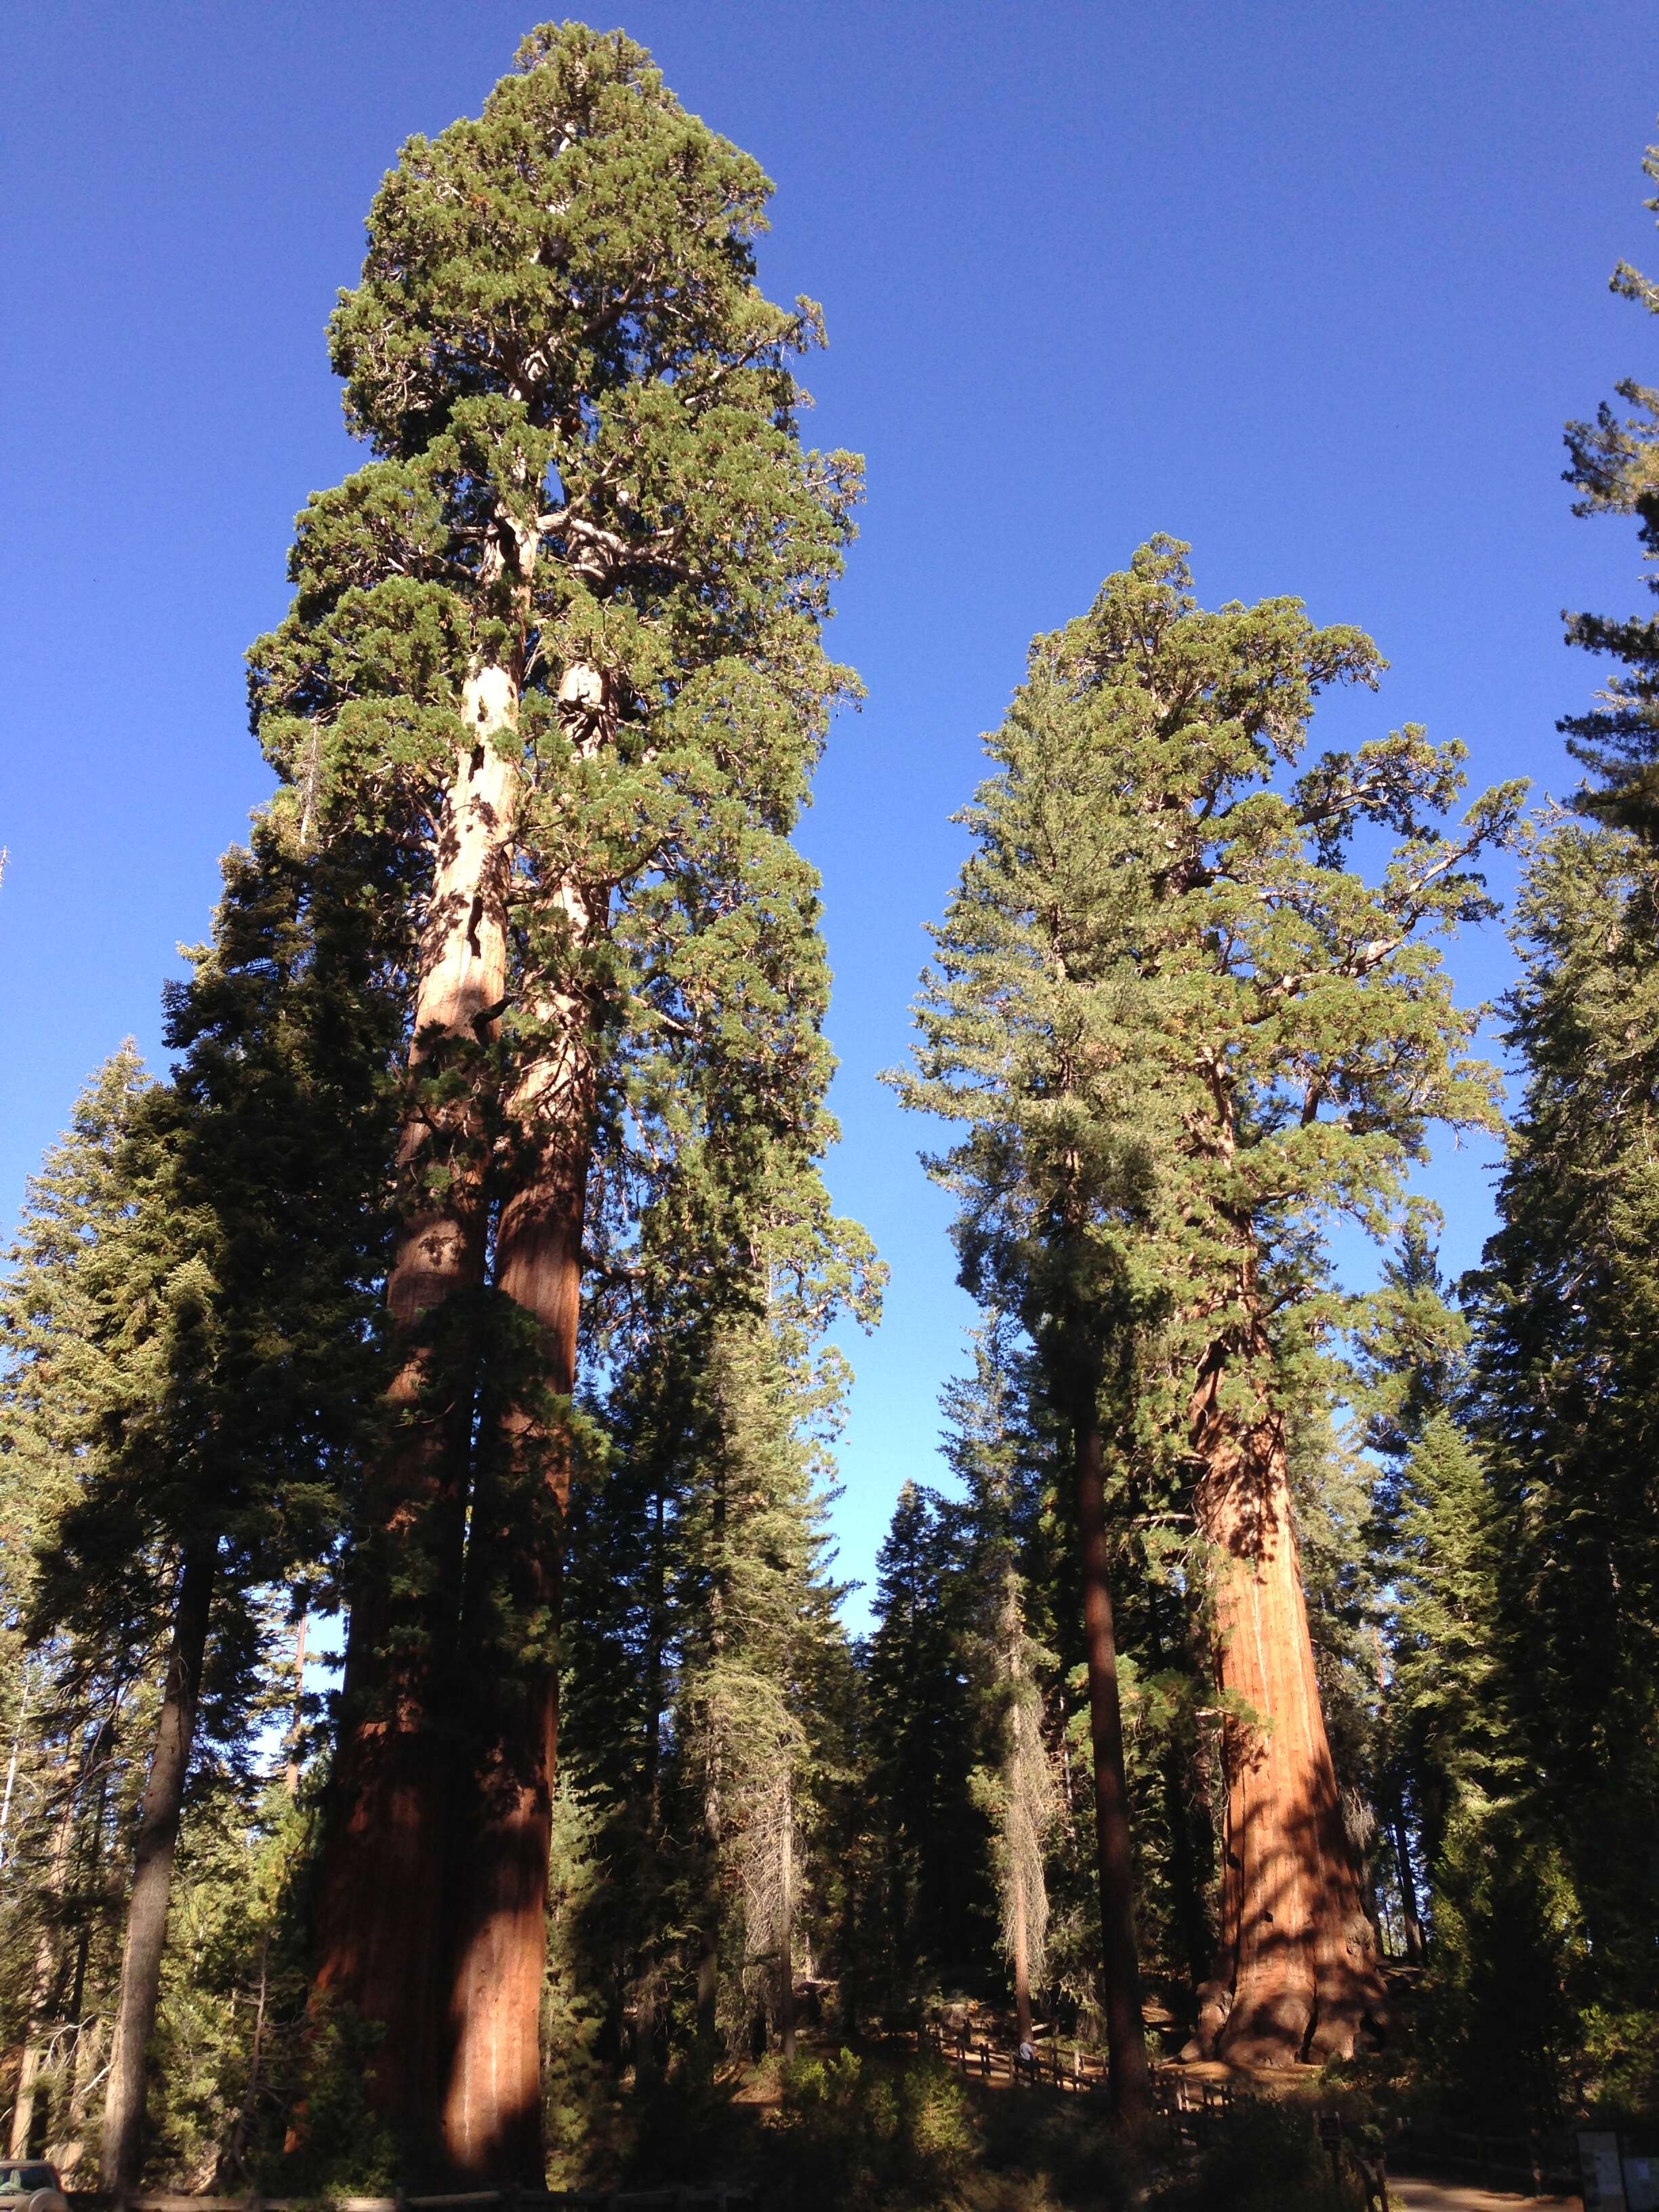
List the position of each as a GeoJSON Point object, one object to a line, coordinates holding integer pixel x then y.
{"type": "Point", "coordinates": [1298, 1952]}
{"type": "Point", "coordinates": [492, 2121]}
{"type": "Point", "coordinates": [1126, 2035]}
{"type": "Point", "coordinates": [492, 2110]}
{"type": "Point", "coordinates": [380, 1907]}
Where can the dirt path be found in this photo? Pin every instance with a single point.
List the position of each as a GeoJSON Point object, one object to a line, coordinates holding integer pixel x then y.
{"type": "Point", "coordinates": [1454, 2197]}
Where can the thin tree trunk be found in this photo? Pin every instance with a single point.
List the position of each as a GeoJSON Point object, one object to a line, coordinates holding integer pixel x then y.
{"type": "Point", "coordinates": [1126, 2034]}
{"type": "Point", "coordinates": [87, 2041]}
{"type": "Point", "coordinates": [45, 1971]}
{"type": "Point", "coordinates": [1022, 1959]}
{"type": "Point", "coordinates": [1408, 1903]}
{"type": "Point", "coordinates": [492, 2105]}
{"type": "Point", "coordinates": [1295, 1941]}
{"type": "Point", "coordinates": [11, 1769]}
{"type": "Point", "coordinates": [296, 1725]}
{"type": "Point", "coordinates": [152, 1878]}
{"type": "Point", "coordinates": [656, 1630]}
{"type": "Point", "coordinates": [247, 2116]}
{"type": "Point", "coordinates": [381, 1903]}
{"type": "Point", "coordinates": [1190, 1918]}
{"type": "Point", "coordinates": [787, 1924]}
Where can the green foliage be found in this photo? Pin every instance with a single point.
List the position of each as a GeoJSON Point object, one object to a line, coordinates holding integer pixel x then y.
{"type": "Point", "coordinates": [577, 2093]}
{"type": "Point", "coordinates": [1268, 2158]}
{"type": "Point", "coordinates": [858, 2133]}
{"type": "Point", "coordinates": [927, 1909]}
{"type": "Point", "coordinates": [1614, 467]}
{"type": "Point", "coordinates": [1183, 1034]}
{"type": "Point", "coordinates": [1501, 2034]}
{"type": "Point", "coordinates": [1620, 2062]}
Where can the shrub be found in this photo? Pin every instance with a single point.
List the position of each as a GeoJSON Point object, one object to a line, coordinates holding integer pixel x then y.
{"type": "Point", "coordinates": [1268, 2157]}
{"type": "Point", "coordinates": [857, 2133]}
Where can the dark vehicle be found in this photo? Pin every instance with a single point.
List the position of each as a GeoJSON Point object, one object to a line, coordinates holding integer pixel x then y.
{"type": "Point", "coordinates": [30, 2185]}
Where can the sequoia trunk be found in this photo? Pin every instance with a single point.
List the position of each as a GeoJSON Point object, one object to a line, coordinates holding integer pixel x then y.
{"type": "Point", "coordinates": [380, 1902]}
{"type": "Point", "coordinates": [152, 1876]}
{"type": "Point", "coordinates": [1126, 2037]}
{"type": "Point", "coordinates": [492, 2105]}
{"type": "Point", "coordinates": [1296, 1947]}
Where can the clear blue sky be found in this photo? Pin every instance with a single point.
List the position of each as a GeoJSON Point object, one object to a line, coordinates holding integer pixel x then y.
{"type": "Point", "coordinates": [1313, 286]}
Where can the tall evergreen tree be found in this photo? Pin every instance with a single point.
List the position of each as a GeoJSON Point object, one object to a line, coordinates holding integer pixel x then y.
{"type": "Point", "coordinates": [1185, 1037]}
{"type": "Point", "coordinates": [929, 1928]}
{"type": "Point", "coordinates": [64, 1357]}
{"type": "Point", "coordinates": [564, 634]}
{"type": "Point", "coordinates": [215, 1397]}
{"type": "Point", "coordinates": [1564, 1312]}
{"type": "Point", "coordinates": [1614, 467]}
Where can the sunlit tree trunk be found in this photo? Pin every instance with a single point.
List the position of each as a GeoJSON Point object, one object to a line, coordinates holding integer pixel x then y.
{"type": "Point", "coordinates": [786, 1920]}
{"type": "Point", "coordinates": [152, 1877]}
{"type": "Point", "coordinates": [1296, 1947]}
{"type": "Point", "coordinates": [296, 1725]}
{"type": "Point", "coordinates": [492, 2108]}
{"type": "Point", "coordinates": [381, 1898]}
{"type": "Point", "coordinates": [1019, 1944]}
{"type": "Point", "coordinates": [1025, 1806]}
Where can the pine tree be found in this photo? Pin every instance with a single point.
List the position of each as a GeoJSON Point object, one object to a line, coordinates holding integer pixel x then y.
{"type": "Point", "coordinates": [1185, 1036]}
{"type": "Point", "coordinates": [564, 634]}
{"type": "Point", "coordinates": [929, 1927]}
{"type": "Point", "coordinates": [1407, 1370]}
{"type": "Point", "coordinates": [215, 1384]}
{"type": "Point", "coordinates": [62, 1356]}
{"type": "Point", "coordinates": [1563, 1307]}
{"type": "Point", "coordinates": [1615, 466]}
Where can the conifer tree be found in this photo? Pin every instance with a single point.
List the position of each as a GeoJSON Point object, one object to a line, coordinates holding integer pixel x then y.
{"type": "Point", "coordinates": [1408, 1370]}
{"type": "Point", "coordinates": [1184, 1038]}
{"type": "Point", "coordinates": [1563, 1307]}
{"type": "Point", "coordinates": [1006, 1663]}
{"type": "Point", "coordinates": [219, 1360]}
{"type": "Point", "coordinates": [929, 1928]}
{"type": "Point", "coordinates": [1614, 467]}
{"type": "Point", "coordinates": [63, 1359]}
{"type": "Point", "coordinates": [563, 633]}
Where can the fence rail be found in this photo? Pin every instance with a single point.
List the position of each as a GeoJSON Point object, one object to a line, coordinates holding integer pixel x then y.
{"type": "Point", "coordinates": [1542, 2163]}
{"type": "Point", "coordinates": [991, 2061]}
{"type": "Point", "coordinates": [471, 2200]}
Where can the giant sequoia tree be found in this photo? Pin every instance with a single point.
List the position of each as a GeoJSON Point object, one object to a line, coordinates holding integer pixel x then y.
{"type": "Point", "coordinates": [562, 636]}
{"type": "Point", "coordinates": [1185, 1036]}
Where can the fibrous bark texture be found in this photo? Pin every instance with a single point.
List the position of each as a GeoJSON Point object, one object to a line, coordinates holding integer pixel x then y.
{"type": "Point", "coordinates": [1126, 2038]}
{"type": "Point", "coordinates": [381, 1905]}
{"type": "Point", "coordinates": [492, 2105]}
{"type": "Point", "coordinates": [1298, 1951]}
{"type": "Point", "coordinates": [492, 2109]}
{"type": "Point", "coordinates": [152, 1878]}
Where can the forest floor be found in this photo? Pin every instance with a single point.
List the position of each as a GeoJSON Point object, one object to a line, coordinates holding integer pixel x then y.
{"type": "Point", "coordinates": [1415, 2195]}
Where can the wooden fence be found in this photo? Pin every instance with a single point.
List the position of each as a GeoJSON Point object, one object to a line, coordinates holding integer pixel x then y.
{"type": "Point", "coordinates": [472, 2200]}
{"type": "Point", "coordinates": [1533, 2166]}
{"type": "Point", "coordinates": [1046, 2067]}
